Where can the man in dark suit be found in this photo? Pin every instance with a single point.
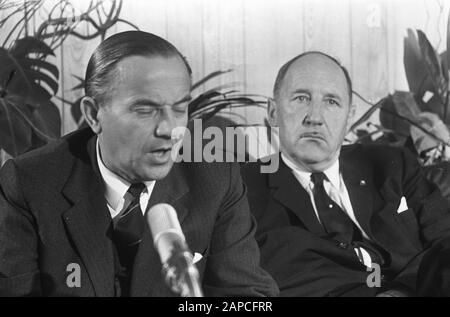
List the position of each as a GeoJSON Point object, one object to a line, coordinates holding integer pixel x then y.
{"type": "Point", "coordinates": [76, 206]}
{"type": "Point", "coordinates": [338, 220]}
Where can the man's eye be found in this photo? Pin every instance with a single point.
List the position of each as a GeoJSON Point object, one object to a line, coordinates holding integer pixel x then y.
{"type": "Point", "coordinates": [146, 110]}
{"type": "Point", "coordinates": [302, 98]}
{"type": "Point", "coordinates": [181, 108]}
{"type": "Point", "coordinates": [332, 102]}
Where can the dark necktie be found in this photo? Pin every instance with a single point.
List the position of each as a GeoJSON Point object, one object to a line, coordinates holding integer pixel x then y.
{"type": "Point", "coordinates": [335, 221]}
{"type": "Point", "coordinates": [129, 228]}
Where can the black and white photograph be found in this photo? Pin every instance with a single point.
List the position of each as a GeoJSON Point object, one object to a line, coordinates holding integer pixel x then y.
{"type": "Point", "coordinates": [250, 149]}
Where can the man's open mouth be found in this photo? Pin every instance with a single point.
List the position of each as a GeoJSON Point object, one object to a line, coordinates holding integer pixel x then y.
{"type": "Point", "coordinates": [162, 151]}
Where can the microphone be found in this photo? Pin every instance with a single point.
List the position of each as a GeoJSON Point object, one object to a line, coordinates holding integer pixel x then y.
{"type": "Point", "coordinates": [179, 270]}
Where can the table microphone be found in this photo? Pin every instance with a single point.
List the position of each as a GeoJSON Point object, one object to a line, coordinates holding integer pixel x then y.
{"type": "Point", "coordinates": [179, 271]}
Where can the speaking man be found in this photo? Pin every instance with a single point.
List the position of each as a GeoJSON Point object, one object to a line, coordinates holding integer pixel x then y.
{"type": "Point", "coordinates": [338, 220]}
{"type": "Point", "coordinates": [79, 203]}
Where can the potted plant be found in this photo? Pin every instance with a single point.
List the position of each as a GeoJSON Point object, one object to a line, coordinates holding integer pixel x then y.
{"type": "Point", "coordinates": [29, 79]}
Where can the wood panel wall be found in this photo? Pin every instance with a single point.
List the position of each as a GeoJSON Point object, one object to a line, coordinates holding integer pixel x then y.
{"type": "Point", "coordinates": [255, 37]}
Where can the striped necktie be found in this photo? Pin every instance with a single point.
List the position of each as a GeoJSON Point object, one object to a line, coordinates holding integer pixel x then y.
{"type": "Point", "coordinates": [129, 227]}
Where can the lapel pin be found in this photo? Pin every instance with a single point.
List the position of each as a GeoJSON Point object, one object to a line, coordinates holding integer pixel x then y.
{"type": "Point", "coordinates": [362, 182]}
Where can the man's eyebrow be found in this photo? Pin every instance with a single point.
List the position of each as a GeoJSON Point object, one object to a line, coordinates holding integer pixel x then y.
{"type": "Point", "coordinates": [145, 101]}
{"type": "Point", "coordinates": [333, 95]}
{"type": "Point", "coordinates": [301, 90]}
{"type": "Point", "coordinates": [154, 103]}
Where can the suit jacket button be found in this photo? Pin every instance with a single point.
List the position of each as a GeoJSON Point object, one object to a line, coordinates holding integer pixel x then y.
{"type": "Point", "coordinates": [343, 245]}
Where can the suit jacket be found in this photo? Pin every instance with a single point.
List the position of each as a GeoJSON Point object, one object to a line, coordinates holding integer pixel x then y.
{"type": "Point", "coordinates": [53, 212]}
{"type": "Point", "coordinates": [376, 177]}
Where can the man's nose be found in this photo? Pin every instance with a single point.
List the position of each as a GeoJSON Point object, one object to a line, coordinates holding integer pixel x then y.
{"type": "Point", "coordinates": [314, 114]}
{"type": "Point", "coordinates": [166, 123]}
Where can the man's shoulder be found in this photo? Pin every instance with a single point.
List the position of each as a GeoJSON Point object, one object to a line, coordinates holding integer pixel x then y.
{"type": "Point", "coordinates": [55, 157]}
{"type": "Point", "coordinates": [375, 153]}
{"type": "Point", "coordinates": [252, 172]}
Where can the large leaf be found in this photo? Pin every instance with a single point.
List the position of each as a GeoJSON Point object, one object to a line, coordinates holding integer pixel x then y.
{"type": "Point", "coordinates": [432, 61]}
{"type": "Point", "coordinates": [403, 104]}
{"type": "Point", "coordinates": [25, 46]}
{"type": "Point", "coordinates": [433, 105]}
{"type": "Point", "coordinates": [448, 45]}
{"type": "Point", "coordinates": [33, 78]}
{"type": "Point", "coordinates": [415, 66]}
{"type": "Point", "coordinates": [444, 64]}
{"type": "Point", "coordinates": [47, 121]}
{"type": "Point", "coordinates": [434, 125]}
{"type": "Point", "coordinates": [15, 132]}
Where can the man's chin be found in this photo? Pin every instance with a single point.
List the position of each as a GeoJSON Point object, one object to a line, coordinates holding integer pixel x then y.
{"type": "Point", "coordinates": [312, 153]}
{"type": "Point", "coordinates": [156, 172]}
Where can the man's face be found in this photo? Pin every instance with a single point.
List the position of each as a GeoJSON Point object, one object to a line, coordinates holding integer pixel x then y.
{"type": "Point", "coordinates": [312, 112]}
{"type": "Point", "coordinates": [148, 98]}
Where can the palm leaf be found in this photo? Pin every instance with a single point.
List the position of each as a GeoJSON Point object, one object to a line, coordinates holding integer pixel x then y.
{"type": "Point", "coordinates": [209, 77]}
{"type": "Point", "coordinates": [367, 114]}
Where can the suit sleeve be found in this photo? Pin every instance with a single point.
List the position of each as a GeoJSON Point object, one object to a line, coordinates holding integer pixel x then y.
{"type": "Point", "coordinates": [432, 213]}
{"type": "Point", "coordinates": [233, 264]}
{"type": "Point", "coordinates": [19, 270]}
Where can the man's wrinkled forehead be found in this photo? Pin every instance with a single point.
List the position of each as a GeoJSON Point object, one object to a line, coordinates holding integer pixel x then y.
{"type": "Point", "coordinates": [312, 64]}
{"type": "Point", "coordinates": [311, 68]}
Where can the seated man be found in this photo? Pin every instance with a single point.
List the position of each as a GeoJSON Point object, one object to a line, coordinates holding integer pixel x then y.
{"type": "Point", "coordinates": [331, 215]}
{"type": "Point", "coordinates": [78, 203]}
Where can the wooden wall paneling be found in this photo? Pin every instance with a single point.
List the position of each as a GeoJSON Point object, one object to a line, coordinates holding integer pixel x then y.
{"type": "Point", "coordinates": [75, 54]}
{"type": "Point", "coordinates": [212, 45]}
{"type": "Point", "coordinates": [232, 47]}
{"type": "Point", "coordinates": [184, 30]}
{"type": "Point", "coordinates": [327, 28]}
{"type": "Point", "coordinates": [148, 16]}
{"type": "Point", "coordinates": [273, 35]}
{"type": "Point", "coordinates": [369, 52]}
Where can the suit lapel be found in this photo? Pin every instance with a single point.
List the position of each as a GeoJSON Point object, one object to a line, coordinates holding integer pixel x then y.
{"type": "Point", "coordinates": [290, 193]}
{"type": "Point", "coordinates": [88, 221]}
{"type": "Point", "coordinates": [359, 184]}
{"type": "Point", "coordinates": [147, 275]}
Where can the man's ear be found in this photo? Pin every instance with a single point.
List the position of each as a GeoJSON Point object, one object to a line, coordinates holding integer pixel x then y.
{"type": "Point", "coordinates": [90, 108]}
{"type": "Point", "coordinates": [272, 112]}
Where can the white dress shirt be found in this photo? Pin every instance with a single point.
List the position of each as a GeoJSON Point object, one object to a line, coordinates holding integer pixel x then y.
{"type": "Point", "coordinates": [336, 189]}
{"type": "Point", "coordinates": [116, 188]}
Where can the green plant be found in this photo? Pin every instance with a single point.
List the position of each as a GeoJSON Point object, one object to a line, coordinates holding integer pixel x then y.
{"type": "Point", "coordinates": [29, 79]}
{"type": "Point", "coordinates": [419, 117]}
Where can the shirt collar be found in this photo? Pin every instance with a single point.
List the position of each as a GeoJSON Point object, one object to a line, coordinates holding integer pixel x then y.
{"type": "Point", "coordinates": [115, 186]}
{"type": "Point", "coordinates": [332, 173]}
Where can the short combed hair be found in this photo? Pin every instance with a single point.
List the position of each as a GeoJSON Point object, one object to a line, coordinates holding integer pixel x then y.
{"type": "Point", "coordinates": [117, 47]}
{"type": "Point", "coordinates": [284, 69]}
